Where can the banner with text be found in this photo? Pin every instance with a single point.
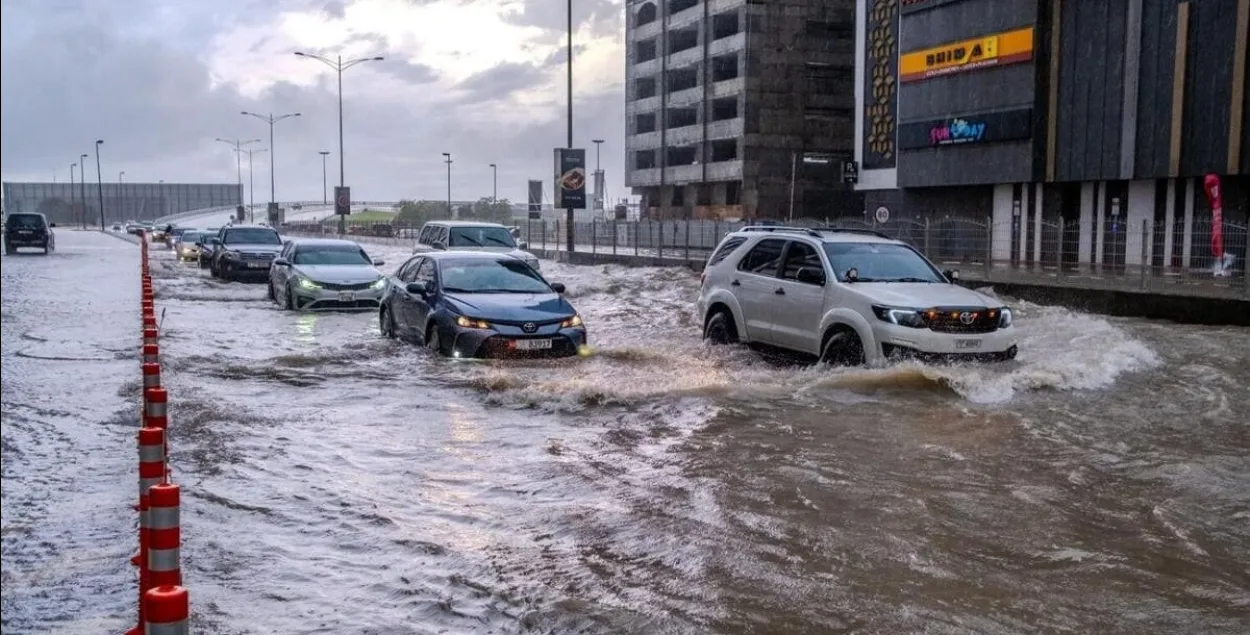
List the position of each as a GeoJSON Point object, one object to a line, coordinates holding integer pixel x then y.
{"type": "Point", "coordinates": [535, 199]}
{"type": "Point", "coordinates": [999, 49]}
{"type": "Point", "coordinates": [570, 178]}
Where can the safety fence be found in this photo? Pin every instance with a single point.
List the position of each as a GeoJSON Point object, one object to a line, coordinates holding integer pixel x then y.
{"type": "Point", "coordinates": [163, 603]}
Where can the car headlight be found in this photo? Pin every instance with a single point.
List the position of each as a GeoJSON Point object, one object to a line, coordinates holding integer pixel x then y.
{"type": "Point", "coordinates": [1004, 318]}
{"type": "Point", "coordinates": [902, 317]}
{"type": "Point", "coordinates": [230, 254]}
{"type": "Point", "coordinates": [471, 323]}
{"type": "Point", "coordinates": [308, 284]}
{"type": "Point", "coordinates": [378, 284]}
{"type": "Point", "coordinates": [572, 322]}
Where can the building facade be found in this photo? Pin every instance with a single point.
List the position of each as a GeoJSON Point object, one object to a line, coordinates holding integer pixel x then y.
{"type": "Point", "coordinates": [1100, 119]}
{"type": "Point", "coordinates": [739, 108]}
{"type": "Point", "coordinates": [63, 203]}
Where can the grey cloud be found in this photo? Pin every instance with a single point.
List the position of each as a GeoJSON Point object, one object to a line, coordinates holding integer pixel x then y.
{"type": "Point", "coordinates": [408, 72]}
{"type": "Point", "coordinates": [335, 9]}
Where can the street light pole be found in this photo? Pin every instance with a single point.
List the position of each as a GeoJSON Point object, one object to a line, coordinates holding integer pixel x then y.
{"type": "Point", "coordinates": [99, 181]}
{"type": "Point", "coordinates": [271, 119]}
{"type": "Point", "coordinates": [568, 225]}
{"type": "Point", "coordinates": [598, 205]}
{"type": "Point", "coordinates": [494, 173]}
{"type": "Point", "coordinates": [450, 211]}
{"type": "Point", "coordinates": [72, 213]}
{"type": "Point", "coordinates": [238, 144]}
{"type": "Point", "coordinates": [121, 193]}
{"type": "Point", "coordinates": [338, 65]}
{"type": "Point", "coordinates": [325, 188]}
{"type": "Point", "coordinates": [82, 186]}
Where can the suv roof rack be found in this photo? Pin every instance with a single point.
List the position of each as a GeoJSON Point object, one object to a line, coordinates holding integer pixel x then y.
{"type": "Point", "coordinates": [780, 228]}
{"type": "Point", "coordinates": [852, 230]}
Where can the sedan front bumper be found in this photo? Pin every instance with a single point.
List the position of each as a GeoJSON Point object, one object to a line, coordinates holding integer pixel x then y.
{"type": "Point", "coordinates": [329, 299]}
{"type": "Point", "coordinates": [509, 341]}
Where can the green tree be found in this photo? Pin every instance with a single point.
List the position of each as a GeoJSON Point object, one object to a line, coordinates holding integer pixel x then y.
{"type": "Point", "coordinates": [494, 211]}
{"type": "Point", "coordinates": [417, 213]}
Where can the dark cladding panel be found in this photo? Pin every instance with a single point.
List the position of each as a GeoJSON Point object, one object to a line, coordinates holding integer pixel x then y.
{"type": "Point", "coordinates": [1208, 86]}
{"type": "Point", "coordinates": [969, 164]}
{"type": "Point", "coordinates": [1154, 88]}
{"type": "Point", "coordinates": [964, 19]}
{"type": "Point", "coordinates": [880, 85]}
{"type": "Point", "coordinates": [1091, 89]}
{"type": "Point", "coordinates": [988, 89]}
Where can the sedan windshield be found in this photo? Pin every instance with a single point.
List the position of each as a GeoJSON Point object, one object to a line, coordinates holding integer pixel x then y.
{"type": "Point", "coordinates": [252, 236]}
{"type": "Point", "coordinates": [880, 262]}
{"type": "Point", "coordinates": [189, 237]}
{"type": "Point", "coordinates": [481, 275]}
{"type": "Point", "coordinates": [481, 237]}
{"type": "Point", "coordinates": [331, 255]}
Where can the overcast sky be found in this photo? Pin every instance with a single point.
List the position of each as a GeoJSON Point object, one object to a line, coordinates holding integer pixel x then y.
{"type": "Point", "coordinates": [159, 80]}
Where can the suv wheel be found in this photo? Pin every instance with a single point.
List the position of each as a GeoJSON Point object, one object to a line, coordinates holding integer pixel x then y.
{"type": "Point", "coordinates": [842, 348]}
{"type": "Point", "coordinates": [720, 329]}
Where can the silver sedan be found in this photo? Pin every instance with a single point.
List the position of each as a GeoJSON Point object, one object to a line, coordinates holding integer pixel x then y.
{"type": "Point", "coordinates": [325, 275]}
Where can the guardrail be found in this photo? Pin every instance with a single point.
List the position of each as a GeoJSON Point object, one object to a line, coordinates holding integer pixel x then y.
{"type": "Point", "coordinates": [305, 207]}
{"type": "Point", "coordinates": [164, 605]}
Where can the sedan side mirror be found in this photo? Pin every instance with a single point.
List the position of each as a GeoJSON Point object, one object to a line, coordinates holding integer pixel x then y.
{"type": "Point", "coordinates": [558, 287]}
{"type": "Point", "coordinates": [280, 262]}
{"type": "Point", "coordinates": [951, 274]}
{"type": "Point", "coordinates": [214, 241]}
{"type": "Point", "coordinates": [852, 274]}
{"type": "Point", "coordinates": [378, 263]}
{"type": "Point", "coordinates": [416, 288]}
{"type": "Point", "coordinates": [811, 275]}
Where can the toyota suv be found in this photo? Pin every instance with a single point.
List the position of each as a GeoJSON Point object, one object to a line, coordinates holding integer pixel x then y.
{"type": "Point", "coordinates": [846, 297]}
{"type": "Point", "coordinates": [471, 236]}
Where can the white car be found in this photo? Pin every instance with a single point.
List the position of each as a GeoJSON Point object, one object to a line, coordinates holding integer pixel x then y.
{"type": "Point", "coordinates": [846, 297]}
{"type": "Point", "coordinates": [313, 274]}
{"type": "Point", "coordinates": [471, 236]}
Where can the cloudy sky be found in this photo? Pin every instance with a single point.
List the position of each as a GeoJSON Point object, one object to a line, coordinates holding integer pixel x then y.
{"type": "Point", "coordinates": [160, 80]}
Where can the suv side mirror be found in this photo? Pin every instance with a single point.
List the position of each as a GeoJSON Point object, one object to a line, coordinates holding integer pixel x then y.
{"type": "Point", "coordinates": [558, 287]}
{"type": "Point", "coordinates": [378, 263]}
{"type": "Point", "coordinates": [416, 288]}
{"type": "Point", "coordinates": [280, 262]}
{"type": "Point", "coordinates": [811, 275]}
{"type": "Point", "coordinates": [951, 274]}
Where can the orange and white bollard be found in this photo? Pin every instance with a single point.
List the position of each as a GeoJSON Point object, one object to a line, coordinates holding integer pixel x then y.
{"type": "Point", "coordinates": [151, 336]}
{"type": "Point", "coordinates": [156, 415]}
{"type": "Point", "coordinates": [151, 379]}
{"type": "Point", "coordinates": [169, 611]}
{"type": "Point", "coordinates": [164, 536]}
{"type": "Point", "coordinates": [148, 305]}
{"type": "Point", "coordinates": [151, 354]}
{"type": "Point", "coordinates": [151, 474]}
{"type": "Point", "coordinates": [149, 322]}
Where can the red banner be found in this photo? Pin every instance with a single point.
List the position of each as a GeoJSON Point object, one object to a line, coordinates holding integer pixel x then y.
{"type": "Point", "coordinates": [1216, 199]}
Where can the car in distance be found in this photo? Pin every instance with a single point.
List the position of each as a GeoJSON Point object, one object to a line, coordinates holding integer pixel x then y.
{"type": "Point", "coordinates": [312, 274]}
{"type": "Point", "coordinates": [187, 244]}
{"type": "Point", "coordinates": [471, 236]}
{"type": "Point", "coordinates": [479, 304]}
{"type": "Point", "coordinates": [28, 229]}
{"type": "Point", "coordinates": [243, 252]}
{"type": "Point", "coordinates": [846, 297]}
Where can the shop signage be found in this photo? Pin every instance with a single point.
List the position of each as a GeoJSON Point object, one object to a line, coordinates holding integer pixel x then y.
{"type": "Point", "coordinates": [1010, 125]}
{"type": "Point", "coordinates": [999, 49]}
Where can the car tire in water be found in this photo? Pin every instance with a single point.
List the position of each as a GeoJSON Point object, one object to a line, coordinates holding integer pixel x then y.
{"type": "Point", "coordinates": [386, 324]}
{"type": "Point", "coordinates": [269, 290]}
{"type": "Point", "coordinates": [842, 348]}
{"type": "Point", "coordinates": [433, 340]}
{"type": "Point", "coordinates": [290, 298]}
{"type": "Point", "coordinates": [720, 329]}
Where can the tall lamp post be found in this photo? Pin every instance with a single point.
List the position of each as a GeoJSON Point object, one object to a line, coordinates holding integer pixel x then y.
{"type": "Point", "coordinates": [121, 193]}
{"type": "Point", "coordinates": [494, 178]}
{"type": "Point", "coordinates": [82, 186]}
{"type": "Point", "coordinates": [598, 176]}
{"type": "Point", "coordinates": [568, 224]}
{"type": "Point", "coordinates": [99, 181]}
{"type": "Point", "coordinates": [251, 183]}
{"type": "Point", "coordinates": [325, 188]}
{"type": "Point", "coordinates": [339, 66]}
{"type": "Point", "coordinates": [271, 119]}
{"type": "Point", "coordinates": [238, 144]}
{"type": "Point", "coordinates": [72, 212]}
{"type": "Point", "coordinates": [447, 160]}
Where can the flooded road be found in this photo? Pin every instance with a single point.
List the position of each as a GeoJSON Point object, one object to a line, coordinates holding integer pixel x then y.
{"type": "Point", "coordinates": [336, 482]}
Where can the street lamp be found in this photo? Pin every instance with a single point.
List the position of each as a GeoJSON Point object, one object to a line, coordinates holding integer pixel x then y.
{"type": "Point", "coordinates": [121, 193]}
{"type": "Point", "coordinates": [450, 213]}
{"type": "Point", "coordinates": [325, 190]}
{"type": "Point", "coordinates": [251, 184]}
{"type": "Point", "coordinates": [569, 211]}
{"type": "Point", "coordinates": [71, 191]}
{"type": "Point", "coordinates": [271, 119]}
{"type": "Point", "coordinates": [238, 144]}
{"type": "Point", "coordinates": [494, 174]}
{"type": "Point", "coordinates": [339, 66]}
{"type": "Point", "coordinates": [598, 175]}
{"type": "Point", "coordinates": [82, 186]}
{"type": "Point", "coordinates": [99, 181]}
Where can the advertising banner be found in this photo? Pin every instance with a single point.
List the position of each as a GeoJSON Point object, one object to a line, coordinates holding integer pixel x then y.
{"type": "Point", "coordinates": [570, 178]}
{"type": "Point", "coordinates": [1011, 125]}
{"type": "Point", "coordinates": [535, 199]}
{"type": "Point", "coordinates": [999, 49]}
{"type": "Point", "coordinates": [342, 200]}
{"type": "Point", "coordinates": [1223, 261]}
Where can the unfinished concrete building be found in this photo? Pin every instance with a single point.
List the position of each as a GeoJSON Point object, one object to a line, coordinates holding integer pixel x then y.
{"type": "Point", "coordinates": [740, 108]}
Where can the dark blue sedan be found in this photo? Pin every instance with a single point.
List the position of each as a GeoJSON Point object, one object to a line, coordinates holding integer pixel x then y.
{"type": "Point", "coordinates": [479, 304]}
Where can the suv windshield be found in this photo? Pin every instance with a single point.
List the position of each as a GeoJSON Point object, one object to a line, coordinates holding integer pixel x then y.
{"type": "Point", "coordinates": [481, 275]}
{"type": "Point", "coordinates": [252, 236]}
{"type": "Point", "coordinates": [25, 221]}
{"type": "Point", "coordinates": [190, 237]}
{"type": "Point", "coordinates": [330, 255]}
{"type": "Point", "coordinates": [481, 237]}
{"type": "Point", "coordinates": [880, 262]}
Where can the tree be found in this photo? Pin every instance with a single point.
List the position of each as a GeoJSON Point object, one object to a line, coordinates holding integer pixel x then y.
{"type": "Point", "coordinates": [417, 213]}
{"type": "Point", "coordinates": [494, 211]}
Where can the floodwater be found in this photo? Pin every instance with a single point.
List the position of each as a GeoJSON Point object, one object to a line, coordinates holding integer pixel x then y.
{"type": "Point", "coordinates": [336, 482]}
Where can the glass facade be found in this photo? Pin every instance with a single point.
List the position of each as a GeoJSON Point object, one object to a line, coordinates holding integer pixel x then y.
{"type": "Point", "coordinates": [64, 204]}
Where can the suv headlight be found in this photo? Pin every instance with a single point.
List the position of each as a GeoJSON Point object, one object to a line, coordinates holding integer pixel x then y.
{"type": "Point", "coordinates": [572, 322]}
{"type": "Point", "coordinates": [470, 323]}
{"type": "Point", "coordinates": [378, 284]}
{"type": "Point", "coordinates": [900, 316]}
{"type": "Point", "coordinates": [1004, 318]}
{"type": "Point", "coordinates": [308, 284]}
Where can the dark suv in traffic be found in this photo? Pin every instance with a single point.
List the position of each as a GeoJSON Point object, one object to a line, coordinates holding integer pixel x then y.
{"type": "Point", "coordinates": [28, 230]}
{"type": "Point", "coordinates": [243, 252]}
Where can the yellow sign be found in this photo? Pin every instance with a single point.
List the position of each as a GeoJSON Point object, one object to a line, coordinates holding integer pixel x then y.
{"type": "Point", "coordinates": [999, 49]}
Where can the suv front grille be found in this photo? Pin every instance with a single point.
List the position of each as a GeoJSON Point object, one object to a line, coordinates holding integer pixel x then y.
{"type": "Point", "coordinates": [256, 256]}
{"type": "Point", "coordinates": [952, 321]}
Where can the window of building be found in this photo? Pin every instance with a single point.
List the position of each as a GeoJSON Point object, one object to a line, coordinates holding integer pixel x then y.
{"type": "Point", "coordinates": [724, 150]}
{"type": "Point", "coordinates": [832, 29]}
{"type": "Point", "coordinates": [644, 51]}
{"type": "Point", "coordinates": [644, 87]}
{"type": "Point", "coordinates": [678, 198]}
{"type": "Point", "coordinates": [724, 108]}
{"type": "Point", "coordinates": [683, 79]}
{"type": "Point", "coordinates": [644, 123]}
{"type": "Point", "coordinates": [682, 155]}
{"type": "Point", "coordinates": [829, 79]}
{"type": "Point", "coordinates": [724, 67]}
{"type": "Point", "coordinates": [646, 14]}
{"type": "Point", "coordinates": [644, 159]}
{"type": "Point", "coordinates": [678, 117]}
{"type": "Point", "coordinates": [725, 25]}
{"type": "Point", "coordinates": [682, 40]}
{"type": "Point", "coordinates": [677, 6]}
{"type": "Point", "coordinates": [704, 194]}
{"type": "Point", "coordinates": [826, 114]}
{"type": "Point", "coordinates": [733, 193]}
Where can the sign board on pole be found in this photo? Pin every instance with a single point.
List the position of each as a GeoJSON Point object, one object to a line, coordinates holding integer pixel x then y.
{"type": "Point", "coordinates": [342, 200]}
{"type": "Point", "coordinates": [535, 199]}
{"type": "Point", "coordinates": [276, 215]}
{"type": "Point", "coordinates": [240, 214]}
{"type": "Point", "coordinates": [850, 172]}
{"type": "Point", "coordinates": [570, 178]}
{"type": "Point", "coordinates": [882, 215]}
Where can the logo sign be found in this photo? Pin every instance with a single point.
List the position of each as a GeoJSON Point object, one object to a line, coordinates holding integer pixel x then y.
{"type": "Point", "coordinates": [529, 327]}
{"type": "Point", "coordinates": [882, 215]}
{"type": "Point", "coordinates": [570, 178]}
{"type": "Point", "coordinates": [535, 199]}
{"type": "Point", "coordinates": [850, 172]}
{"type": "Point", "coordinates": [342, 200]}
{"type": "Point", "coordinates": [1000, 49]}
{"type": "Point", "coordinates": [966, 318]}
{"type": "Point", "coordinates": [1011, 125]}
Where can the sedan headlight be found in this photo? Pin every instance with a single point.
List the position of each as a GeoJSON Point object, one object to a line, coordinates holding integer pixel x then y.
{"type": "Point", "coordinates": [308, 284]}
{"type": "Point", "coordinates": [900, 316]}
{"type": "Point", "coordinates": [471, 323]}
{"type": "Point", "coordinates": [1004, 318]}
{"type": "Point", "coordinates": [572, 322]}
{"type": "Point", "coordinates": [378, 284]}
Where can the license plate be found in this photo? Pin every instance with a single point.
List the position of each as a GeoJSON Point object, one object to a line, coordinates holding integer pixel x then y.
{"type": "Point", "coordinates": [347, 296]}
{"type": "Point", "coordinates": [258, 265]}
{"type": "Point", "coordinates": [964, 345]}
{"type": "Point", "coordinates": [532, 345]}
{"type": "Point", "coordinates": [25, 232]}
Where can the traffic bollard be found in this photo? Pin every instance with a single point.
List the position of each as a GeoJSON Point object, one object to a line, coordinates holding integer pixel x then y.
{"type": "Point", "coordinates": [151, 336]}
{"type": "Point", "coordinates": [151, 353]}
{"type": "Point", "coordinates": [151, 379]}
{"type": "Point", "coordinates": [149, 322]}
{"type": "Point", "coordinates": [156, 415]}
{"type": "Point", "coordinates": [169, 611]}
{"type": "Point", "coordinates": [151, 474]}
{"type": "Point", "coordinates": [164, 536]}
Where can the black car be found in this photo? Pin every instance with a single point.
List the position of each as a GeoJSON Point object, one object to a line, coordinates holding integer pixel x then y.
{"type": "Point", "coordinates": [23, 229]}
{"type": "Point", "coordinates": [480, 304]}
{"type": "Point", "coordinates": [243, 253]}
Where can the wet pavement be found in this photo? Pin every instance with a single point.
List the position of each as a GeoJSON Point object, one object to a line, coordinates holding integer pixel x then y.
{"type": "Point", "coordinates": [336, 482]}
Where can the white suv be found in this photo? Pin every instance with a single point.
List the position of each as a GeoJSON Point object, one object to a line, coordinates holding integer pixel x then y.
{"type": "Point", "coordinates": [471, 236]}
{"type": "Point", "coordinates": [845, 296]}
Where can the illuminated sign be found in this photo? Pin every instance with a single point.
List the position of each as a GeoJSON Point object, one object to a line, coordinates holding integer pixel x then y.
{"type": "Point", "coordinates": [999, 49]}
{"type": "Point", "coordinates": [1011, 125]}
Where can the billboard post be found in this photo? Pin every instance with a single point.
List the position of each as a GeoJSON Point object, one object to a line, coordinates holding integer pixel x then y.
{"type": "Point", "coordinates": [570, 190]}
{"type": "Point", "coordinates": [535, 199]}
